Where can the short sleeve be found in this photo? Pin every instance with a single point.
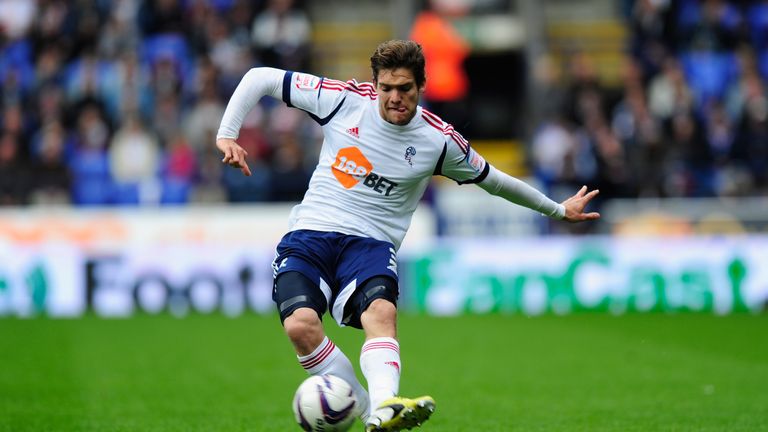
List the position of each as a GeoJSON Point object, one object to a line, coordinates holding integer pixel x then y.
{"type": "Point", "coordinates": [460, 161]}
{"type": "Point", "coordinates": [319, 97]}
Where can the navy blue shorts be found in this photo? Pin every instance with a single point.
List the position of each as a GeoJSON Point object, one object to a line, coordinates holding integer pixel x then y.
{"type": "Point", "coordinates": [337, 268]}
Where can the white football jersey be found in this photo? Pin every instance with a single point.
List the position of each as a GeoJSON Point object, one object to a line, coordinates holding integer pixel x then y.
{"type": "Point", "coordinates": [371, 173]}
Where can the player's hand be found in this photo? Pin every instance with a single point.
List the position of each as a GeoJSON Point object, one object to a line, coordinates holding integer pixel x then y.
{"type": "Point", "coordinates": [574, 206]}
{"type": "Point", "coordinates": [234, 155]}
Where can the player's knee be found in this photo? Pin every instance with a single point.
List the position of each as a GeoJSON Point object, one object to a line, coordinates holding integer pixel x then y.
{"type": "Point", "coordinates": [381, 314]}
{"type": "Point", "coordinates": [382, 308]}
{"type": "Point", "coordinates": [304, 328]}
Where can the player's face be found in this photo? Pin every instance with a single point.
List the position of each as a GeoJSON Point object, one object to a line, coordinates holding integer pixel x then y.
{"type": "Point", "coordinates": [398, 95]}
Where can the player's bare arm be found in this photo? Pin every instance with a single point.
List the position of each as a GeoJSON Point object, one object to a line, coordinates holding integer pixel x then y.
{"type": "Point", "coordinates": [574, 206]}
{"type": "Point", "coordinates": [234, 155]}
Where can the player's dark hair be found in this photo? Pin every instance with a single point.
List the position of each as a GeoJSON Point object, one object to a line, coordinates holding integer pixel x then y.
{"type": "Point", "coordinates": [396, 54]}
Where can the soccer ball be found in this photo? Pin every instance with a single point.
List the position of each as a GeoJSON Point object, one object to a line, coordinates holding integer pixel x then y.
{"type": "Point", "coordinates": [324, 403]}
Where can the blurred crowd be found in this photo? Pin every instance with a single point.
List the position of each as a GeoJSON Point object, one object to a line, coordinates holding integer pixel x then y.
{"type": "Point", "coordinates": [690, 118]}
{"type": "Point", "coordinates": [110, 102]}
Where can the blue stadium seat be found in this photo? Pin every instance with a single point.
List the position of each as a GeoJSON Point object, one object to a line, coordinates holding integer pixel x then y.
{"type": "Point", "coordinates": [762, 63]}
{"type": "Point", "coordinates": [175, 191]}
{"type": "Point", "coordinates": [690, 14]}
{"type": "Point", "coordinates": [91, 180]}
{"type": "Point", "coordinates": [757, 17]}
{"type": "Point", "coordinates": [709, 73]}
{"type": "Point", "coordinates": [90, 192]}
{"type": "Point", "coordinates": [168, 46]}
{"type": "Point", "coordinates": [16, 57]}
{"type": "Point", "coordinates": [126, 194]}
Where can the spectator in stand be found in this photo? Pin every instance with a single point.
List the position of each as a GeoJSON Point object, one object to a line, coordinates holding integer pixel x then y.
{"type": "Point", "coordinates": [552, 144]}
{"type": "Point", "coordinates": [240, 16]}
{"type": "Point", "coordinates": [48, 105]}
{"type": "Point", "coordinates": [748, 85]}
{"type": "Point", "coordinates": [87, 25]}
{"type": "Point", "coordinates": [134, 153]}
{"type": "Point", "coordinates": [53, 27]}
{"type": "Point", "coordinates": [200, 124]}
{"type": "Point", "coordinates": [689, 164]}
{"type": "Point", "coordinates": [639, 134]}
{"type": "Point", "coordinates": [128, 89]}
{"type": "Point", "coordinates": [161, 16]}
{"type": "Point", "coordinates": [546, 90]}
{"type": "Point", "coordinates": [16, 18]}
{"type": "Point", "coordinates": [708, 25]}
{"type": "Point", "coordinates": [695, 125]}
{"type": "Point", "coordinates": [287, 174]}
{"type": "Point", "coordinates": [202, 120]}
{"type": "Point", "coordinates": [652, 33]}
{"type": "Point", "coordinates": [585, 95]}
{"type": "Point", "coordinates": [15, 176]}
{"type": "Point", "coordinates": [445, 50]}
{"type": "Point", "coordinates": [120, 33]}
{"type": "Point", "coordinates": [750, 149]}
{"type": "Point", "coordinates": [14, 122]}
{"type": "Point", "coordinates": [668, 92]}
{"type": "Point", "coordinates": [89, 164]}
{"type": "Point", "coordinates": [17, 72]}
{"type": "Point", "coordinates": [179, 171]}
{"type": "Point", "coordinates": [48, 67]}
{"type": "Point", "coordinates": [613, 173]}
{"type": "Point", "coordinates": [69, 70]}
{"type": "Point", "coordinates": [230, 55]}
{"type": "Point", "coordinates": [280, 36]}
{"type": "Point", "coordinates": [52, 180]}
{"type": "Point", "coordinates": [86, 78]}
{"type": "Point", "coordinates": [720, 133]}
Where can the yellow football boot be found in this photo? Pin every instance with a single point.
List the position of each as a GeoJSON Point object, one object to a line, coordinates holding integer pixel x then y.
{"type": "Point", "coordinates": [398, 413]}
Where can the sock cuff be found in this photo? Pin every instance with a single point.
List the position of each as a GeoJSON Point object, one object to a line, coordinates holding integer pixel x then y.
{"type": "Point", "coordinates": [381, 343]}
{"type": "Point", "coordinates": [322, 352]}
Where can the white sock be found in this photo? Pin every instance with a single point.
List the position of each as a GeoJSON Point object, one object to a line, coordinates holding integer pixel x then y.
{"type": "Point", "coordinates": [380, 363]}
{"type": "Point", "coordinates": [328, 359]}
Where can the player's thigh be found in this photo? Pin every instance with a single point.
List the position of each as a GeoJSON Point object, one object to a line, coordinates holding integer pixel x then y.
{"type": "Point", "coordinates": [293, 290]}
{"type": "Point", "coordinates": [377, 287]}
{"type": "Point", "coordinates": [367, 270]}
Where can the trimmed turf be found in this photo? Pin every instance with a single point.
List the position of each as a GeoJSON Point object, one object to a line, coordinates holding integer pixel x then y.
{"type": "Point", "coordinates": [584, 372]}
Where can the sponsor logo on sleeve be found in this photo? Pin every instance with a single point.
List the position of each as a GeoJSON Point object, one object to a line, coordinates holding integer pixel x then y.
{"type": "Point", "coordinates": [306, 81]}
{"type": "Point", "coordinates": [475, 160]}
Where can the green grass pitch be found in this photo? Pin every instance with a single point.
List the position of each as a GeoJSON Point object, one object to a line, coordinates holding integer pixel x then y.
{"type": "Point", "coordinates": [587, 372]}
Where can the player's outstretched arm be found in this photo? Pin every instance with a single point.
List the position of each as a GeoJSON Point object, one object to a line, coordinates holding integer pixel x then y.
{"type": "Point", "coordinates": [517, 191]}
{"type": "Point", "coordinates": [574, 206]}
{"type": "Point", "coordinates": [514, 190]}
{"type": "Point", "coordinates": [234, 155]}
{"type": "Point", "coordinates": [257, 83]}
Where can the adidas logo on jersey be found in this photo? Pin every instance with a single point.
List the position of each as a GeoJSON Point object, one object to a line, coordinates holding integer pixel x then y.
{"type": "Point", "coordinates": [355, 132]}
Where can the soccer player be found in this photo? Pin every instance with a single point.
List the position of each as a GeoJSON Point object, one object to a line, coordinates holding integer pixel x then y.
{"type": "Point", "coordinates": [380, 150]}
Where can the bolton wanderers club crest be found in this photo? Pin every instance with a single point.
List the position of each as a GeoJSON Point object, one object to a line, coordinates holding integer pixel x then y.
{"type": "Point", "coordinates": [410, 152]}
